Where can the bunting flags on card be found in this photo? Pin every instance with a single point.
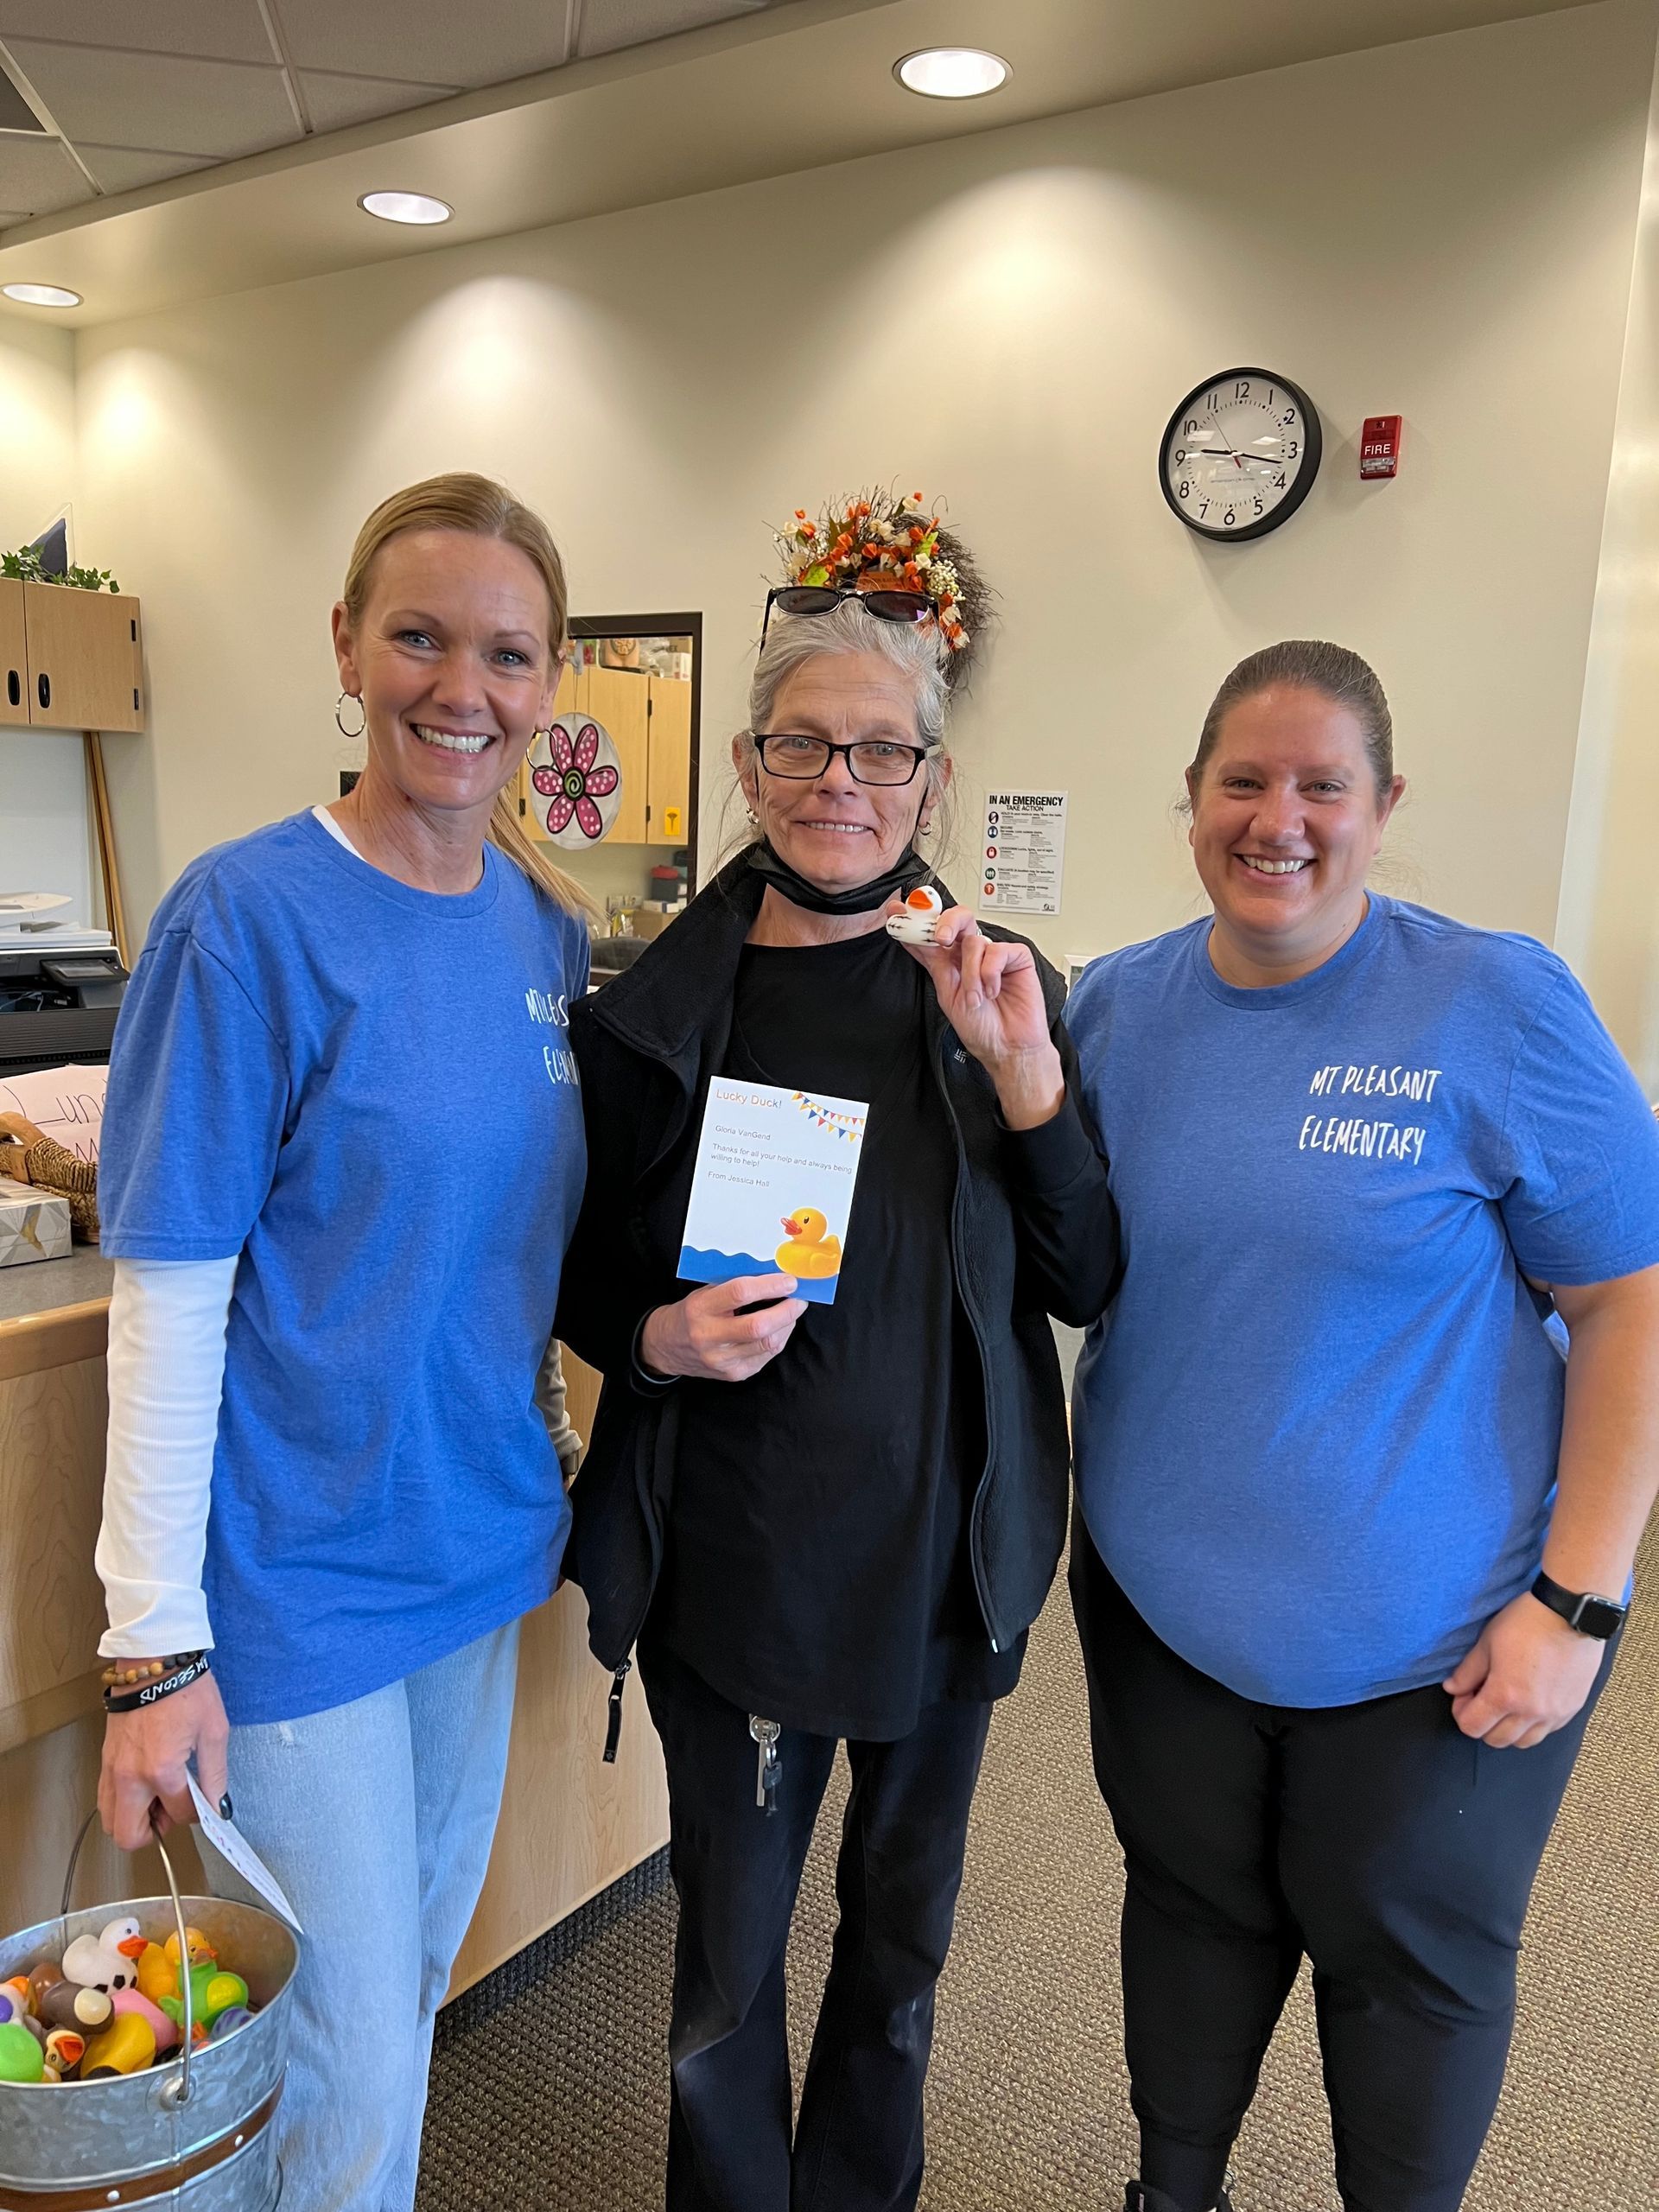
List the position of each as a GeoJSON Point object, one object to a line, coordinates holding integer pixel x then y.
{"type": "Point", "coordinates": [826, 1117]}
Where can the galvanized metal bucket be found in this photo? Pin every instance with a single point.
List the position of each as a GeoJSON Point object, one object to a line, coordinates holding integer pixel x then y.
{"type": "Point", "coordinates": [193, 2133]}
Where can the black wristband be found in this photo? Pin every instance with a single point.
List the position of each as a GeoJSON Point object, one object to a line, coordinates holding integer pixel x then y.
{"type": "Point", "coordinates": [149, 1694]}
{"type": "Point", "coordinates": [1592, 1616]}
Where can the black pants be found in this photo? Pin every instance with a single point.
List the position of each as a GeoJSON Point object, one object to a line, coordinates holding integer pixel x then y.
{"type": "Point", "coordinates": [1397, 1852]}
{"type": "Point", "coordinates": [858, 2146]}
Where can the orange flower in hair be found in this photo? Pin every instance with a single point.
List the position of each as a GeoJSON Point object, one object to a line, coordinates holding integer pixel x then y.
{"type": "Point", "coordinates": [900, 541]}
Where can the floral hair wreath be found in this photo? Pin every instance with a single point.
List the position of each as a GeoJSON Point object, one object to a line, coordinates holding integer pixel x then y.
{"type": "Point", "coordinates": [906, 545]}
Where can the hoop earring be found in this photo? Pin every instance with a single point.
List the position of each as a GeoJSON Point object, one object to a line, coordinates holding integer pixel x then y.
{"type": "Point", "coordinates": [340, 725]}
{"type": "Point", "coordinates": [754, 818]}
{"type": "Point", "coordinates": [924, 829]}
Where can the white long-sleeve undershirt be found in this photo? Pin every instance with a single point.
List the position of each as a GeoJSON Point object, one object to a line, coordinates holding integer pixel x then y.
{"type": "Point", "coordinates": [167, 1373]}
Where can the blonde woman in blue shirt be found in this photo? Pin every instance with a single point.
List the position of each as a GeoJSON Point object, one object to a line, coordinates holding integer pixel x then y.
{"type": "Point", "coordinates": [325, 1459]}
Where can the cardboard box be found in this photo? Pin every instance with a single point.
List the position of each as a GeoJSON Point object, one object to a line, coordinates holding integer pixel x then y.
{"type": "Point", "coordinates": [33, 1224]}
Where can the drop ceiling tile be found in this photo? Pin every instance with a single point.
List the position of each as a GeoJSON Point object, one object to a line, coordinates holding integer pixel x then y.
{"type": "Point", "coordinates": [16, 113]}
{"type": "Point", "coordinates": [228, 30]}
{"type": "Point", "coordinates": [610, 25]}
{"type": "Point", "coordinates": [124, 168]}
{"type": "Point", "coordinates": [37, 176]}
{"type": "Point", "coordinates": [431, 42]}
{"type": "Point", "coordinates": [334, 101]}
{"type": "Point", "coordinates": [217, 108]}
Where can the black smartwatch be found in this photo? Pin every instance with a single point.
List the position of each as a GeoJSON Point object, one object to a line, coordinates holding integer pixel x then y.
{"type": "Point", "coordinates": [1582, 1610]}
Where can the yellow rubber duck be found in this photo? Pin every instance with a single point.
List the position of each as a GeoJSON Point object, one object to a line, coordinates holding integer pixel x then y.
{"type": "Point", "coordinates": [809, 1252]}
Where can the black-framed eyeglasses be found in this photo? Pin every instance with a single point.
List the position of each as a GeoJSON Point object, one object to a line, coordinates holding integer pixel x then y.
{"type": "Point", "coordinates": [804, 759]}
{"type": "Point", "coordinates": [821, 599]}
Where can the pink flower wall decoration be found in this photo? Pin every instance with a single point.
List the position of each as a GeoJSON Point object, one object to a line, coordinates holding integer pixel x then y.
{"type": "Point", "coordinates": [573, 782]}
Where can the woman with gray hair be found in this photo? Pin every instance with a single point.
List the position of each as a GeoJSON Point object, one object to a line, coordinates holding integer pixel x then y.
{"type": "Point", "coordinates": [829, 1523]}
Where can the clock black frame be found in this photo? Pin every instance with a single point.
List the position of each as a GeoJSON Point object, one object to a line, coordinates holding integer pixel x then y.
{"type": "Point", "coordinates": [1313, 454]}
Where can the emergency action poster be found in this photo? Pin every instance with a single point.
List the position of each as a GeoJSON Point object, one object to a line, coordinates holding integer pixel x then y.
{"type": "Point", "coordinates": [1022, 858]}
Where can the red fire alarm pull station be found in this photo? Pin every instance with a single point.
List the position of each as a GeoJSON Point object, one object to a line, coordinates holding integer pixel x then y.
{"type": "Point", "coordinates": [1379, 446]}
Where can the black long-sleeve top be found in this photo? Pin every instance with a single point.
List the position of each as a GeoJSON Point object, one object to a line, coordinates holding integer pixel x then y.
{"type": "Point", "coordinates": [1029, 1229]}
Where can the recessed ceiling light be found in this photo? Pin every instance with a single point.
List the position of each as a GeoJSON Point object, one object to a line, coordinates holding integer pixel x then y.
{"type": "Point", "coordinates": [952, 73]}
{"type": "Point", "coordinates": [405, 207]}
{"type": "Point", "coordinates": [41, 295]}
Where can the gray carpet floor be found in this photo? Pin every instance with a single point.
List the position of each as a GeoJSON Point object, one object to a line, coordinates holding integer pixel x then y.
{"type": "Point", "coordinates": [548, 2088]}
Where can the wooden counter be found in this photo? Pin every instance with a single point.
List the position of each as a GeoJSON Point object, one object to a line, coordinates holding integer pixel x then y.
{"type": "Point", "coordinates": [569, 1824]}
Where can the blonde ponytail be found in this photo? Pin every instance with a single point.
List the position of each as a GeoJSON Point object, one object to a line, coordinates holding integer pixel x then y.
{"type": "Point", "coordinates": [507, 833]}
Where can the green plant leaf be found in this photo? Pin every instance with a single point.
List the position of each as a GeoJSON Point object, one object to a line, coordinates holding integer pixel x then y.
{"type": "Point", "coordinates": [25, 566]}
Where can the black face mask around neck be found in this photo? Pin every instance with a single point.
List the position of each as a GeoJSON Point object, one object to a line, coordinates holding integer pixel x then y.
{"type": "Point", "coordinates": [910, 870]}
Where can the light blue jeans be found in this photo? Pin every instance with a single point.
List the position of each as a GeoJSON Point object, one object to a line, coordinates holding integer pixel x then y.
{"type": "Point", "coordinates": [376, 1818]}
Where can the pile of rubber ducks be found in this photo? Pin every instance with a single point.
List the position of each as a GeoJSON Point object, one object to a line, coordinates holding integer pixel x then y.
{"type": "Point", "coordinates": [114, 2004]}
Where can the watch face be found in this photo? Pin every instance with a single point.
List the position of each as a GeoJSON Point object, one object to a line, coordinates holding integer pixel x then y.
{"type": "Point", "coordinates": [1600, 1617]}
{"type": "Point", "coordinates": [1240, 454]}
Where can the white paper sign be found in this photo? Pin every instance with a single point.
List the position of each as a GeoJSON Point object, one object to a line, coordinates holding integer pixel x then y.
{"type": "Point", "coordinates": [1022, 858]}
{"type": "Point", "coordinates": [773, 1187]}
{"type": "Point", "coordinates": [67, 1103]}
{"type": "Point", "coordinates": [236, 1851]}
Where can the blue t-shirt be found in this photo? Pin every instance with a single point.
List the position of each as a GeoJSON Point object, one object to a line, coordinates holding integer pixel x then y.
{"type": "Point", "coordinates": [1317, 1431]}
{"type": "Point", "coordinates": [367, 1092]}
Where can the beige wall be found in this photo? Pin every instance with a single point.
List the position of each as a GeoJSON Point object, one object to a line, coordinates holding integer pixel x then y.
{"type": "Point", "coordinates": [44, 844]}
{"type": "Point", "coordinates": [1608, 924]}
{"type": "Point", "coordinates": [37, 424]}
{"type": "Point", "coordinates": [1444, 228]}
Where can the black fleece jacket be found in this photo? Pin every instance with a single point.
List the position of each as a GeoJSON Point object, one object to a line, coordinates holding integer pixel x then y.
{"type": "Point", "coordinates": [1033, 1232]}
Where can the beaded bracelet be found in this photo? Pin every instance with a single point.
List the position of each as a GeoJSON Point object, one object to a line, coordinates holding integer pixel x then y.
{"type": "Point", "coordinates": [194, 1666]}
{"type": "Point", "coordinates": [118, 1677]}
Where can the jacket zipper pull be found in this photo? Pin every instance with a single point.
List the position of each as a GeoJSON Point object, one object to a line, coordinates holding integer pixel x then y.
{"type": "Point", "coordinates": [614, 1722]}
{"type": "Point", "coordinates": [770, 1769]}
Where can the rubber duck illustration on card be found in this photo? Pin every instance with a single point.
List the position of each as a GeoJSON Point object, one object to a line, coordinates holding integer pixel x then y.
{"type": "Point", "coordinates": [808, 1253]}
{"type": "Point", "coordinates": [772, 1157]}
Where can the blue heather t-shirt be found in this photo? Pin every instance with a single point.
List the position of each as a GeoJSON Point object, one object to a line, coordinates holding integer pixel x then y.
{"type": "Point", "coordinates": [1317, 1431]}
{"type": "Point", "coordinates": [367, 1092]}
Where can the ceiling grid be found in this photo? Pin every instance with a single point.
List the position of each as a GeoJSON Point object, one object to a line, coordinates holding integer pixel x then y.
{"type": "Point", "coordinates": [159, 151]}
{"type": "Point", "coordinates": [99, 98]}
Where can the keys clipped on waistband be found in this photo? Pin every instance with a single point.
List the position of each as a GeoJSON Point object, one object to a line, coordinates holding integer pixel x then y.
{"type": "Point", "coordinates": [770, 1769]}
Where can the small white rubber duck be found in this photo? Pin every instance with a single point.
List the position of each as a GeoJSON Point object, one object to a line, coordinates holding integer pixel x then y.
{"type": "Point", "coordinates": [108, 1961]}
{"type": "Point", "coordinates": [919, 920]}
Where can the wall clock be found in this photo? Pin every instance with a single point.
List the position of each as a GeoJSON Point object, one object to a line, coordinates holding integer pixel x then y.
{"type": "Point", "coordinates": [1240, 454]}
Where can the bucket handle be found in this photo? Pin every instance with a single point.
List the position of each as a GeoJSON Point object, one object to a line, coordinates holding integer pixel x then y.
{"type": "Point", "coordinates": [175, 2090]}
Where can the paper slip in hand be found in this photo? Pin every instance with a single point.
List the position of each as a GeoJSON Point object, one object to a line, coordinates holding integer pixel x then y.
{"type": "Point", "coordinates": [773, 1187]}
{"type": "Point", "coordinates": [237, 1852]}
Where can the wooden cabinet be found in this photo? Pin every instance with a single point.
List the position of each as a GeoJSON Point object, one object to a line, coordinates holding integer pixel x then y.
{"type": "Point", "coordinates": [620, 699]}
{"type": "Point", "coordinates": [84, 658]}
{"type": "Point", "coordinates": [72, 660]}
{"type": "Point", "coordinates": [569, 1824]}
{"type": "Point", "coordinates": [69, 659]}
{"type": "Point", "coordinates": [14, 653]}
{"type": "Point", "coordinates": [668, 781]}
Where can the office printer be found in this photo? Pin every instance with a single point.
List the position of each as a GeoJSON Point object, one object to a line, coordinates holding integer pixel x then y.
{"type": "Point", "coordinates": [57, 1006]}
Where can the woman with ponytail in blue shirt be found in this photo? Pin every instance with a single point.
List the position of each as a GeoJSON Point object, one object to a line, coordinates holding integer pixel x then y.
{"type": "Point", "coordinates": [1356, 1533]}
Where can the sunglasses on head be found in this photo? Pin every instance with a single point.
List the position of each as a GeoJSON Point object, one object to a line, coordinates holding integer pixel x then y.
{"type": "Point", "coordinates": [821, 599]}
